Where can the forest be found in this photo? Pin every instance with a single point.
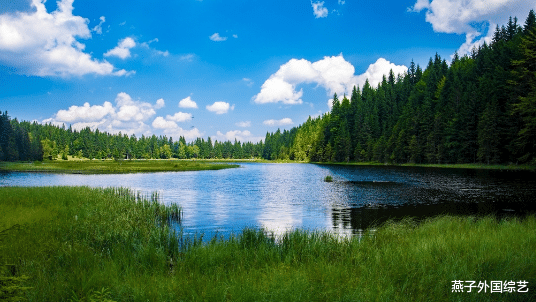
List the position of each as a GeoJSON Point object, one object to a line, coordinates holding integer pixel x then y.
{"type": "Point", "coordinates": [480, 108]}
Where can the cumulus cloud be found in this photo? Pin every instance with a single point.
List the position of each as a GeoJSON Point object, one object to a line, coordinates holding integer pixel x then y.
{"type": "Point", "coordinates": [122, 50]}
{"type": "Point", "coordinates": [180, 117]}
{"type": "Point", "coordinates": [281, 122]}
{"type": "Point", "coordinates": [130, 110]}
{"type": "Point", "coordinates": [319, 10]}
{"type": "Point", "coordinates": [189, 135]}
{"type": "Point", "coordinates": [244, 124]}
{"type": "Point", "coordinates": [477, 19]}
{"type": "Point", "coordinates": [171, 128]}
{"type": "Point", "coordinates": [335, 74]}
{"type": "Point", "coordinates": [220, 107]}
{"type": "Point", "coordinates": [45, 44]}
{"type": "Point", "coordinates": [160, 103]}
{"type": "Point", "coordinates": [161, 123]}
{"type": "Point", "coordinates": [241, 136]}
{"type": "Point", "coordinates": [85, 112]}
{"type": "Point", "coordinates": [187, 103]}
{"type": "Point", "coordinates": [217, 38]}
{"type": "Point", "coordinates": [377, 70]}
{"type": "Point", "coordinates": [128, 116]}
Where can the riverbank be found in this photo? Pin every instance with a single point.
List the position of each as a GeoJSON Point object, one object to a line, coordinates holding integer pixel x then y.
{"type": "Point", "coordinates": [80, 243]}
{"type": "Point", "coordinates": [442, 166]}
{"type": "Point", "coordinates": [112, 166]}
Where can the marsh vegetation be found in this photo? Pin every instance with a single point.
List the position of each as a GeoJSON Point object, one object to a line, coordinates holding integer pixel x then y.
{"type": "Point", "coordinates": [112, 166]}
{"type": "Point", "coordinates": [80, 243]}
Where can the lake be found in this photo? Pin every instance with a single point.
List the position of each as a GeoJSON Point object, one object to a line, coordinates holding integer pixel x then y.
{"type": "Point", "coordinates": [281, 197]}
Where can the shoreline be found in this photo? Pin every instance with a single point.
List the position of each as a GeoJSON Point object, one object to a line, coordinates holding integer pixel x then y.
{"type": "Point", "coordinates": [86, 166]}
{"type": "Point", "coordinates": [111, 167]}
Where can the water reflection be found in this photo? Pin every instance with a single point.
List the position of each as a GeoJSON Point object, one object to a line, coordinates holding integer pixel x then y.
{"type": "Point", "coordinates": [282, 197]}
{"type": "Point", "coordinates": [423, 192]}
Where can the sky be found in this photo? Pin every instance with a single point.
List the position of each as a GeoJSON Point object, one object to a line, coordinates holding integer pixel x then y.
{"type": "Point", "coordinates": [228, 70]}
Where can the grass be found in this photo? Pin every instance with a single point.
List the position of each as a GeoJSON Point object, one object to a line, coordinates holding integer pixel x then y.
{"type": "Point", "coordinates": [83, 244]}
{"type": "Point", "coordinates": [110, 166]}
{"type": "Point", "coordinates": [328, 178]}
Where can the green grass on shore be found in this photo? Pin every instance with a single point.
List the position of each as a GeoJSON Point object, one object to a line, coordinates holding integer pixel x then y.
{"type": "Point", "coordinates": [86, 244]}
{"type": "Point", "coordinates": [113, 167]}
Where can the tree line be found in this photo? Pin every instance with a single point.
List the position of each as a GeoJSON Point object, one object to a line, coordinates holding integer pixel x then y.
{"type": "Point", "coordinates": [480, 108]}
{"type": "Point", "coordinates": [23, 141]}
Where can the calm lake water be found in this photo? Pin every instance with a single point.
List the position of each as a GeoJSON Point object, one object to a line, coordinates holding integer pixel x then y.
{"type": "Point", "coordinates": [280, 197]}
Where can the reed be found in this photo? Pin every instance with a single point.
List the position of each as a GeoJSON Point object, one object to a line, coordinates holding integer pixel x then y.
{"type": "Point", "coordinates": [83, 244]}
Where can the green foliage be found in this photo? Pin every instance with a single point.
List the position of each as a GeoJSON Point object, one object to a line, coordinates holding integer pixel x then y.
{"type": "Point", "coordinates": [11, 282]}
{"type": "Point", "coordinates": [83, 244]}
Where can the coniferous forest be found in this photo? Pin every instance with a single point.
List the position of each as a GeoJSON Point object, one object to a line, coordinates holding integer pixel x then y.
{"type": "Point", "coordinates": [479, 109]}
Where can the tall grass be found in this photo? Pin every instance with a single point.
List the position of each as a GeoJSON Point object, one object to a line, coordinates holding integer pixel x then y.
{"type": "Point", "coordinates": [85, 244]}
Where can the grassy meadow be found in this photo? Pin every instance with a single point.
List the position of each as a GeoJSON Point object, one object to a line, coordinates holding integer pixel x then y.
{"type": "Point", "coordinates": [112, 166]}
{"type": "Point", "coordinates": [92, 244]}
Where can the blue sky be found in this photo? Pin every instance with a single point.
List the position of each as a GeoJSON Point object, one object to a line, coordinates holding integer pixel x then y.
{"type": "Point", "coordinates": [224, 69]}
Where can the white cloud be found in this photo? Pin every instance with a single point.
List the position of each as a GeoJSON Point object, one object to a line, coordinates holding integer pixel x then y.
{"type": "Point", "coordinates": [220, 107]}
{"type": "Point", "coordinates": [130, 110]}
{"type": "Point", "coordinates": [130, 116]}
{"type": "Point", "coordinates": [85, 113]}
{"type": "Point", "coordinates": [276, 89]}
{"type": "Point", "coordinates": [160, 103]}
{"type": "Point", "coordinates": [171, 129]}
{"type": "Point", "coordinates": [468, 16]}
{"type": "Point", "coordinates": [377, 70]}
{"type": "Point", "coordinates": [335, 74]}
{"type": "Point", "coordinates": [241, 136]}
{"type": "Point", "coordinates": [161, 123]}
{"type": "Point", "coordinates": [281, 122]}
{"type": "Point", "coordinates": [189, 135]}
{"type": "Point", "coordinates": [45, 44]}
{"type": "Point", "coordinates": [122, 50]}
{"type": "Point", "coordinates": [98, 28]}
{"type": "Point", "coordinates": [342, 2]}
{"type": "Point", "coordinates": [217, 38]}
{"type": "Point", "coordinates": [319, 10]}
{"type": "Point", "coordinates": [235, 36]}
{"type": "Point", "coordinates": [187, 103]}
{"type": "Point", "coordinates": [420, 5]}
{"type": "Point", "coordinates": [244, 124]}
{"type": "Point", "coordinates": [180, 117]}
{"type": "Point", "coordinates": [127, 116]}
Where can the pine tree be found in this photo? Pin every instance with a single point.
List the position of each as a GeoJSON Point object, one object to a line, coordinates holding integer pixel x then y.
{"type": "Point", "coordinates": [526, 107]}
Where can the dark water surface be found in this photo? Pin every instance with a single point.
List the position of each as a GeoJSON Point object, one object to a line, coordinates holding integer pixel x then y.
{"type": "Point", "coordinates": [280, 197]}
